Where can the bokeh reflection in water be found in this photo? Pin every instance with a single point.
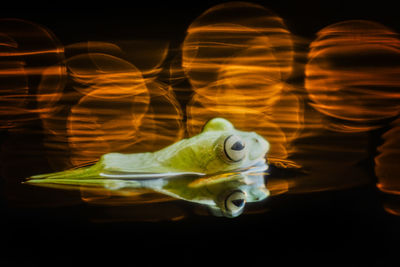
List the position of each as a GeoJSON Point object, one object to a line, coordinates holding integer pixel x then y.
{"type": "Point", "coordinates": [83, 100]}
{"type": "Point", "coordinates": [387, 167]}
{"type": "Point", "coordinates": [352, 78]}
{"type": "Point", "coordinates": [89, 99]}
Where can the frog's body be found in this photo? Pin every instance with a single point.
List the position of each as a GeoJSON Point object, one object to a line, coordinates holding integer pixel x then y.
{"type": "Point", "coordinates": [200, 169]}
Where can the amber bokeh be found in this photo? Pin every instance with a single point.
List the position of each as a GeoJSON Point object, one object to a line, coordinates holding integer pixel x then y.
{"type": "Point", "coordinates": [95, 97]}
{"type": "Point", "coordinates": [238, 66]}
{"type": "Point", "coordinates": [352, 74]}
{"type": "Point", "coordinates": [352, 77]}
{"type": "Point", "coordinates": [28, 53]}
{"type": "Point", "coordinates": [387, 166]}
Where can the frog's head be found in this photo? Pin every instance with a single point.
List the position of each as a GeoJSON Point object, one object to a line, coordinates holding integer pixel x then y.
{"type": "Point", "coordinates": [233, 161]}
{"type": "Point", "coordinates": [234, 148]}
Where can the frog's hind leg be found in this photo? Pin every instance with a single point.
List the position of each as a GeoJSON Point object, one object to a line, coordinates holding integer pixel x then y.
{"type": "Point", "coordinates": [79, 176]}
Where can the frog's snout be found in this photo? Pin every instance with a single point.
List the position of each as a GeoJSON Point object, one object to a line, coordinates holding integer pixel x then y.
{"type": "Point", "coordinates": [260, 147]}
{"type": "Point", "coordinates": [259, 193]}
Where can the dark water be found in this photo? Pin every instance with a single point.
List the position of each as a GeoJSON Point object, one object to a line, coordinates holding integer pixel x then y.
{"type": "Point", "coordinates": [332, 215]}
{"type": "Point", "coordinates": [339, 228]}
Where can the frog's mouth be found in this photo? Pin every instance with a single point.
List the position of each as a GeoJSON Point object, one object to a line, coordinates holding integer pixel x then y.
{"type": "Point", "coordinates": [260, 166]}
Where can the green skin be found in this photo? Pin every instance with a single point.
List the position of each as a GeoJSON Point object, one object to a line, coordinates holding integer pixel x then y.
{"type": "Point", "coordinates": [205, 169]}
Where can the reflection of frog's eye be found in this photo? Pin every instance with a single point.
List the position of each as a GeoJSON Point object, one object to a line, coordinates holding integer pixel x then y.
{"type": "Point", "coordinates": [235, 201]}
{"type": "Point", "coordinates": [234, 148]}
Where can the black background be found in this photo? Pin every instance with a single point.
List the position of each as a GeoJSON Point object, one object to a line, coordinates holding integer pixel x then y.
{"type": "Point", "coordinates": [334, 228]}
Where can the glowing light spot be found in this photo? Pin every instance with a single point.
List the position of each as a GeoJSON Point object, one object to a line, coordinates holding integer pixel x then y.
{"type": "Point", "coordinates": [29, 54]}
{"type": "Point", "coordinates": [353, 74]}
{"type": "Point", "coordinates": [237, 66]}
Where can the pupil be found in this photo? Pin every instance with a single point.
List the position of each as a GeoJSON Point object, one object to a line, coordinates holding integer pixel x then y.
{"type": "Point", "coordinates": [238, 202]}
{"type": "Point", "coordinates": [237, 146]}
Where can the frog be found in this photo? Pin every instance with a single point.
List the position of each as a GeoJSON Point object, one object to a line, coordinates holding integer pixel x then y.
{"type": "Point", "coordinates": [221, 167]}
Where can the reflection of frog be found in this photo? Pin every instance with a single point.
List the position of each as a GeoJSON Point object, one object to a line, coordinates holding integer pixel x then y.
{"type": "Point", "coordinates": [221, 167]}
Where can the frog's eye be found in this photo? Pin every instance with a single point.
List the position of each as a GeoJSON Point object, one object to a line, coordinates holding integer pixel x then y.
{"type": "Point", "coordinates": [235, 202]}
{"type": "Point", "coordinates": [234, 148]}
